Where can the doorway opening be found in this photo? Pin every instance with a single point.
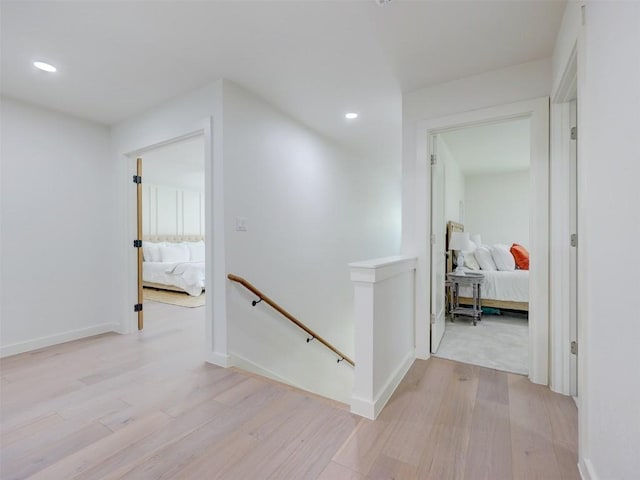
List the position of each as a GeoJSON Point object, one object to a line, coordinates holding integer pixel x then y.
{"type": "Point", "coordinates": [480, 220]}
{"type": "Point", "coordinates": [537, 112]}
{"type": "Point", "coordinates": [170, 218]}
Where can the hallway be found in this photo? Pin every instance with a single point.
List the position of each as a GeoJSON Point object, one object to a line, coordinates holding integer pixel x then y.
{"type": "Point", "coordinates": [146, 406]}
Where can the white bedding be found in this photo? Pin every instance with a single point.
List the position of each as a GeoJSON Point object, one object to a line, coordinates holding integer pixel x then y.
{"type": "Point", "coordinates": [188, 276]}
{"type": "Point", "coordinates": [510, 286]}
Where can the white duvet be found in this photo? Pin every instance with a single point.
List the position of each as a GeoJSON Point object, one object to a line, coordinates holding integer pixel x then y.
{"type": "Point", "coordinates": [510, 286]}
{"type": "Point", "coordinates": [188, 276]}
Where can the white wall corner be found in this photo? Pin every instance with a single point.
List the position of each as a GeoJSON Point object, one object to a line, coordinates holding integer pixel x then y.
{"type": "Point", "coordinates": [363, 407]}
{"type": "Point", "coordinates": [220, 359]}
{"type": "Point", "coordinates": [586, 470]}
{"type": "Point", "coordinates": [423, 353]}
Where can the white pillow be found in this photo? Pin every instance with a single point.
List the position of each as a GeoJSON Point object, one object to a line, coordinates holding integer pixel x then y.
{"type": "Point", "coordinates": [470, 261]}
{"type": "Point", "coordinates": [196, 251]}
{"type": "Point", "coordinates": [484, 258]}
{"type": "Point", "coordinates": [503, 258]}
{"type": "Point", "coordinates": [151, 251]}
{"type": "Point", "coordinates": [173, 253]}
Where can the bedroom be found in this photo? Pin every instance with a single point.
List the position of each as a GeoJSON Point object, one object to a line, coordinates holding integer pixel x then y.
{"type": "Point", "coordinates": [172, 223]}
{"type": "Point", "coordinates": [485, 205]}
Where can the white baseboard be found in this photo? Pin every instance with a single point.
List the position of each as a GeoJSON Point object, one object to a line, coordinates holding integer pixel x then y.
{"type": "Point", "coordinates": [363, 407]}
{"type": "Point", "coordinates": [249, 366]}
{"type": "Point", "coordinates": [252, 367]}
{"type": "Point", "coordinates": [586, 470]}
{"type": "Point", "coordinates": [41, 342]}
{"type": "Point", "coordinates": [220, 359]}
{"type": "Point", "coordinates": [371, 409]}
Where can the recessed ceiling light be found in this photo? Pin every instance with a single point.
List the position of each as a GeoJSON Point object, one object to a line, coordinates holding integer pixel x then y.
{"type": "Point", "coordinates": [350, 115]}
{"type": "Point", "coordinates": [45, 67]}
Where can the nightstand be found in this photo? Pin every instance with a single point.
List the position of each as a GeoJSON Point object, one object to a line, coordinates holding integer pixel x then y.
{"type": "Point", "coordinates": [473, 280]}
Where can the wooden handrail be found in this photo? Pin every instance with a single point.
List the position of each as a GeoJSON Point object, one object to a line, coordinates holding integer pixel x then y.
{"type": "Point", "coordinates": [288, 316]}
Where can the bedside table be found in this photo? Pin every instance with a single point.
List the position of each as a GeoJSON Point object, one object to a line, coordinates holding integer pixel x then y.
{"type": "Point", "coordinates": [473, 280]}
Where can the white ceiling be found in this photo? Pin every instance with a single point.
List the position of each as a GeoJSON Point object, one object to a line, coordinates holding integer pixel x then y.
{"type": "Point", "coordinates": [315, 60]}
{"type": "Point", "coordinates": [495, 148]}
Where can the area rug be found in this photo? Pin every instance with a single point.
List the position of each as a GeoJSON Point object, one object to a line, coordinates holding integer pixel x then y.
{"type": "Point", "coordinates": [498, 342]}
{"type": "Point", "coordinates": [174, 298]}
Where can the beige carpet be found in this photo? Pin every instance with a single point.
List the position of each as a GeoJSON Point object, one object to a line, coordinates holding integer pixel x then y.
{"type": "Point", "coordinates": [174, 298]}
{"type": "Point", "coordinates": [499, 342]}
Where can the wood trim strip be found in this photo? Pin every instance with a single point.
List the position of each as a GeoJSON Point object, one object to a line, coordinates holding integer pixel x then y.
{"type": "Point", "coordinates": [288, 316]}
{"type": "Point", "coordinates": [139, 236]}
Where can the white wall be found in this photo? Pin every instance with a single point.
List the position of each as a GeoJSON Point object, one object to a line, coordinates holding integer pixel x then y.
{"type": "Point", "coordinates": [58, 228]}
{"type": "Point", "coordinates": [173, 185]}
{"type": "Point", "coordinates": [497, 207]}
{"type": "Point", "coordinates": [454, 183]}
{"type": "Point", "coordinates": [172, 211]}
{"type": "Point", "coordinates": [521, 82]}
{"type": "Point", "coordinates": [311, 208]}
{"type": "Point", "coordinates": [177, 164]}
{"type": "Point", "coordinates": [566, 41]}
{"type": "Point", "coordinates": [609, 166]}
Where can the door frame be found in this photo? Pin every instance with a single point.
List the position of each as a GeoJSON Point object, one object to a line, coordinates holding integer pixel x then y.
{"type": "Point", "coordinates": [433, 312]}
{"type": "Point", "coordinates": [537, 110]}
{"type": "Point", "coordinates": [215, 284]}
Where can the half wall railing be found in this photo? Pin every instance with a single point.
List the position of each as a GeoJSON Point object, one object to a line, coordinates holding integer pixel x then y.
{"type": "Point", "coordinates": [313, 335]}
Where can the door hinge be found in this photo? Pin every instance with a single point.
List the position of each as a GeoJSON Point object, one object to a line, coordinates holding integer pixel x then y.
{"type": "Point", "coordinates": [574, 240]}
{"type": "Point", "coordinates": [137, 307]}
{"type": "Point", "coordinates": [574, 133]}
{"type": "Point", "coordinates": [434, 159]}
{"type": "Point", "coordinates": [433, 318]}
{"type": "Point", "coordinates": [137, 179]}
{"type": "Point", "coordinates": [137, 243]}
{"type": "Point", "coordinates": [574, 348]}
{"type": "Point", "coordinates": [433, 239]}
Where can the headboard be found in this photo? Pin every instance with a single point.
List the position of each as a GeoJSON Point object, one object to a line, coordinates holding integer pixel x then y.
{"type": "Point", "coordinates": [451, 227]}
{"type": "Point", "coordinates": [172, 238]}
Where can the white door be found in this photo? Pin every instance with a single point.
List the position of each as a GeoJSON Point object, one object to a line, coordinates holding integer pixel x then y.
{"type": "Point", "coordinates": [438, 258]}
{"type": "Point", "coordinates": [573, 259]}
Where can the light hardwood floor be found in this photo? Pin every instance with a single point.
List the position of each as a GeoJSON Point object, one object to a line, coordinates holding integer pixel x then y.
{"type": "Point", "coordinates": [145, 406]}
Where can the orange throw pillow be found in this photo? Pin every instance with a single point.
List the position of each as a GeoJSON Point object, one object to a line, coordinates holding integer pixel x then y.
{"type": "Point", "coordinates": [521, 255]}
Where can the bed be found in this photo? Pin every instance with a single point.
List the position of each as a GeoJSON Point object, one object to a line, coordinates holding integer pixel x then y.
{"type": "Point", "coordinates": [501, 289]}
{"type": "Point", "coordinates": [174, 263]}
